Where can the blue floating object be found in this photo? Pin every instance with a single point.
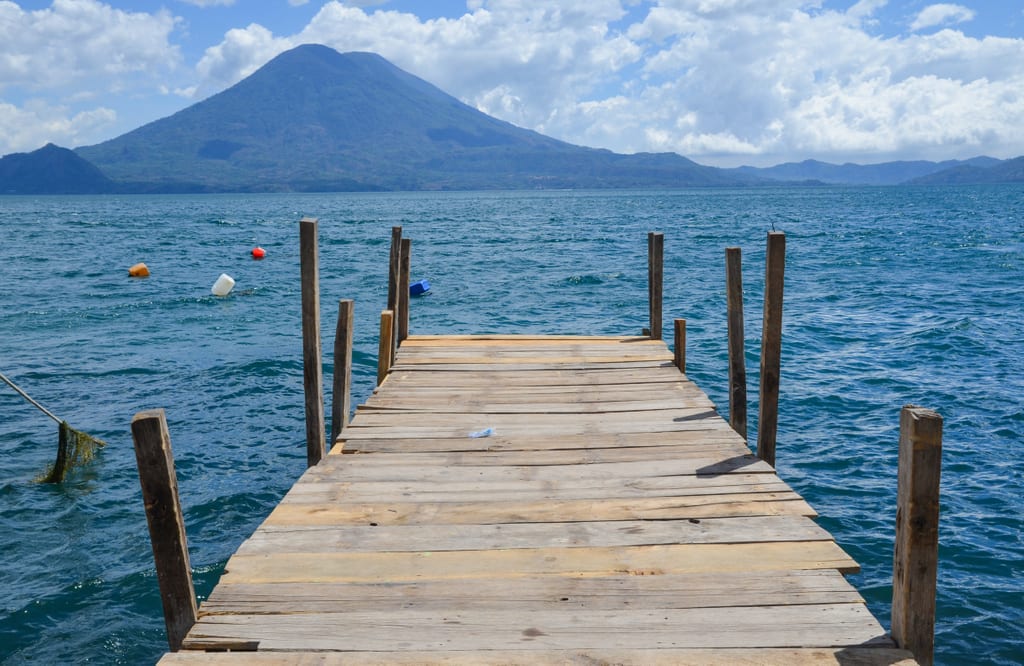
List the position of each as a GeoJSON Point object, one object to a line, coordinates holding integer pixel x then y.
{"type": "Point", "coordinates": [419, 288]}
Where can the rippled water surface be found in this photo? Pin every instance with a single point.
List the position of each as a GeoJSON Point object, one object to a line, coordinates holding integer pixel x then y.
{"type": "Point", "coordinates": [893, 296]}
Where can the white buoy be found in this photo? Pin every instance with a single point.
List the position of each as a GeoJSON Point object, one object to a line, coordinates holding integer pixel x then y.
{"type": "Point", "coordinates": [223, 286]}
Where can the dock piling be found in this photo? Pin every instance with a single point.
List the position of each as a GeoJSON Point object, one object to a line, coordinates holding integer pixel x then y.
{"type": "Point", "coordinates": [679, 348]}
{"type": "Point", "coordinates": [771, 346]}
{"type": "Point", "coordinates": [166, 526]}
{"type": "Point", "coordinates": [916, 554]}
{"type": "Point", "coordinates": [403, 289]}
{"type": "Point", "coordinates": [394, 293]}
{"type": "Point", "coordinates": [737, 362]}
{"type": "Point", "coordinates": [384, 348]}
{"type": "Point", "coordinates": [655, 280]}
{"type": "Point", "coordinates": [312, 367]}
{"type": "Point", "coordinates": [341, 393]}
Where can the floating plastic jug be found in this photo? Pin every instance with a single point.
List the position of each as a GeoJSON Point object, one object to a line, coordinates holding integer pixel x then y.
{"type": "Point", "coordinates": [223, 286]}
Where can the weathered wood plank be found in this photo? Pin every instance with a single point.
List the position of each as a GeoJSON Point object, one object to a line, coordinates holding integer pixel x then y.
{"type": "Point", "coordinates": [511, 563]}
{"type": "Point", "coordinates": [454, 629]}
{"type": "Point", "coordinates": [412, 538]}
{"type": "Point", "coordinates": [500, 465]}
{"type": "Point", "coordinates": [658, 508]}
{"type": "Point", "coordinates": [620, 591]}
{"type": "Point", "coordinates": [502, 491]}
{"type": "Point", "coordinates": [869, 656]}
{"type": "Point", "coordinates": [696, 439]}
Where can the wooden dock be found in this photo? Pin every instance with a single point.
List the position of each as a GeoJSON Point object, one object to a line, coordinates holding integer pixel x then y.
{"type": "Point", "coordinates": [608, 516]}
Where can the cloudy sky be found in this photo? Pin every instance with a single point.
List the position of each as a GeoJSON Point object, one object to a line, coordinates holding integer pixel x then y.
{"type": "Point", "coordinates": [724, 82]}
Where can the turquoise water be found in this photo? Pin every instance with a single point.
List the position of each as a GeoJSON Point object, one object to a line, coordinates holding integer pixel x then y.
{"type": "Point", "coordinates": [893, 296]}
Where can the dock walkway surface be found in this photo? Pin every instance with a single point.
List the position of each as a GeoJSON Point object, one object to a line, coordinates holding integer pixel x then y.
{"type": "Point", "coordinates": [609, 516]}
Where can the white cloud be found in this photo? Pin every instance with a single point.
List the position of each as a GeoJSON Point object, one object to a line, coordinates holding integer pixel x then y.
{"type": "Point", "coordinates": [80, 43]}
{"type": "Point", "coordinates": [941, 14]}
{"type": "Point", "coordinates": [35, 124]}
{"type": "Point", "coordinates": [242, 52]}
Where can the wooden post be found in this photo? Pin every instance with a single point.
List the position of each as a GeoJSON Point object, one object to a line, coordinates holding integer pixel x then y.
{"type": "Point", "coordinates": [394, 293]}
{"type": "Point", "coordinates": [387, 325]}
{"type": "Point", "coordinates": [771, 347]}
{"type": "Point", "coordinates": [737, 362]}
{"type": "Point", "coordinates": [916, 557]}
{"type": "Point", "coordinates": [341, 393]}
{"type": "Point", "coordinates": [680, 345]}
{"type": "Point", "coordinates": [403, 289]}
{"type": "Point", "coordinates": [655, 279]}
{"type": "Point", "coordinates": [166, 526]}
{"type": "Point", "coordinates": [312, 367]}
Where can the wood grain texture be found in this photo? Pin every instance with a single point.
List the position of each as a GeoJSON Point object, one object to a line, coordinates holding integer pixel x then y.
{"type": "Point", "coordinates": [607, 515]}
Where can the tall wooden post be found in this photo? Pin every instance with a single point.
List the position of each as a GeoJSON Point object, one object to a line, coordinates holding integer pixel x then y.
{"type": "Point", "coordinates": [680, 345]}
{"type": "Point", "coordinates": [737, 362]}
{"type": "Point", "coordinates": [166, 526]}
{"type": "Point", "coordinates": [387, 327]}
{"type": "Point", "coordinates": [341, 393]}
{"type": "Point", "coordinates": [771, 347]}
{"type": "Point", "coordinates": [312, 368]}
{"type": "Point", "coordinates": [916, 557]}
{"type": "Point", "coordinates": [403, 289]}
{"type": "Point", "coordinates": [655, 280]}
{"type": "Point", "coordinates": [394, 293]}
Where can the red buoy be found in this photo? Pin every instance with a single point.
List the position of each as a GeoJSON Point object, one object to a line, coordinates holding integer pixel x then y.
{"type": "Point", "coordinates": [258, 253]}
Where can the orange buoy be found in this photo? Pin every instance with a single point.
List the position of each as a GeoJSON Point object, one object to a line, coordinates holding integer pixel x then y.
{"type": "Point", "coordinates": [139, 270]}
{"type": "Point", "coordinates": [258, 253]}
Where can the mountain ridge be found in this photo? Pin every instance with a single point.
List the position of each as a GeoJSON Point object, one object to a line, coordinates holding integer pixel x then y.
{"type": "Point", "coordinates": [313, 118]}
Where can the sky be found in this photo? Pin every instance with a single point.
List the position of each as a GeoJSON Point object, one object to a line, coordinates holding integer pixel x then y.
{"type": "Point", "coordinates": [723, 82]}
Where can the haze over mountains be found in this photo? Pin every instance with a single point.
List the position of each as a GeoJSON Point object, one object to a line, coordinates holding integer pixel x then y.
{"type": "Point", "coordinates": [313, 119]}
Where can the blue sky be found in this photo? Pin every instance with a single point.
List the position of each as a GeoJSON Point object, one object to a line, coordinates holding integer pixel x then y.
{"type": "Point", "coordinates": [724, 82]}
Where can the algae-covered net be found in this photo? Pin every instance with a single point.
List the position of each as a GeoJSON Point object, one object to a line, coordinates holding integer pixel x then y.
{"type": "Point", "coordinates": [74, 447]}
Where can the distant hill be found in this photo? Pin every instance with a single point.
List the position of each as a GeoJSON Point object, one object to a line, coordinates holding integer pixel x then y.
{"type": "Point", "coordinates": [885, 173]}
{"type": "Point", "coordinates": [50, 170]}
{"type": "Point", "coordinates": [313, 119]}
{"type": "Point", "coordinates": [1007, 171]}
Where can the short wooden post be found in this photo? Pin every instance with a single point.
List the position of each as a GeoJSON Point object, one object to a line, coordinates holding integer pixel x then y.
{"type": "Point", "coordinates": [312, 367]}
{"type": "Point", "coordinates": [387, 324]}
{"type": "Point", "coordinates": [916, 557]}
{"type": "Point", "coordinates": [680, 345]}
{"type": "Point", "coordinates": [403, 288]}
{"type": "Point", "coordinates": [394, 293]}
{"type": "Point", "coordinates": [166, 526]}
{"type": "Point", "coordinates": [737, 362]}
{"type": "Point", "coordinates": [771, 347]}
{"type": "Point", "coordinates": [341, 393]}
{"type": "Point", "coordinates": [655, 280]}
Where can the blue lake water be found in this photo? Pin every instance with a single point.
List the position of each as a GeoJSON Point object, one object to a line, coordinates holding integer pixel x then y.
{"type": "Point", "coordinates": [893, 296]}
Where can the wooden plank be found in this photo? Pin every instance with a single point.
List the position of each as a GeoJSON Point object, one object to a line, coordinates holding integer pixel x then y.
{"type": "Point", "coordinates": [576, 408]}
{"type": "Point", "coordinates": [487, 466]}
{"type": "Point", "coordinates": [502, 491]}
{"type": "Point", "coordinates": [412, 538]}
{"type": "Point", "coordinates": [528, 339]}
{"type": "Point", "coordinates": [618, 591]}
{"type": "Point", "coordinates": [657, 508]}
{"type": "Point", "coordinates": [704, 443]}
{"type": "Point", "coordinates": [869, 656]}
{"type": "Point", "coordinates": [454, 629]}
